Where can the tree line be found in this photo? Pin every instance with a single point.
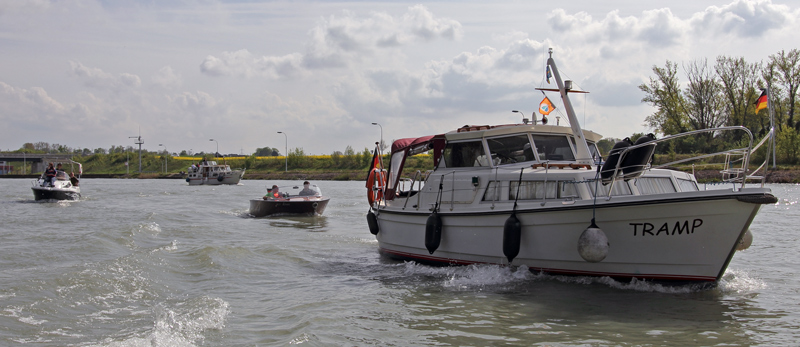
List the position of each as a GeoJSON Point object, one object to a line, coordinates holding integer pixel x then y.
{"type": "Point", "coordinates": [724, 93]}
{"type": "Point", "coordinates": [55, 148]}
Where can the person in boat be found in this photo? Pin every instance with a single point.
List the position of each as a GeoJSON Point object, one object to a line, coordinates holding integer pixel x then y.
{"type": "Point", "coordinates": [272, 193]}
{"type": "Point", "coordinates": [59, 168]}
{"type": "Point", "coordinates": [49, 175]}
{"type": "Point", "coordinates": [307, 190]}
{"type": "Point", "coordinates": [74, 180]}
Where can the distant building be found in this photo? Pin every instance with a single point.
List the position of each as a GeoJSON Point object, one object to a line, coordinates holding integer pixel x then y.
{"type": "Point", "coordinates": [5, 169]}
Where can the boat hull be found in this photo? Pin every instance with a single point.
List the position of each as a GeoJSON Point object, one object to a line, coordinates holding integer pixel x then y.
{"type": "Point", "coordinates": [231, 178]}
{"type": "Point", "coordinates": [680, 239]}
{"type": "Point", "coordinates": [51, 193]}
{"type": "Point", "coordinates": [309, 206]}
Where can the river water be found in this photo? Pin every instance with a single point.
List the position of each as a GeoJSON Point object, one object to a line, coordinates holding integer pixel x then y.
{"type": "Point", "coordinates": [161, 263]}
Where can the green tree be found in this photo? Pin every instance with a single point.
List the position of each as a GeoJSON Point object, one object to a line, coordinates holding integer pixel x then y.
{"type": "Point", "coordinates": [787, 68]}
{"type": "Point", "coordinates": [664, 93]}
{"type": "Point", "coordinates": [267, 152]}
{"type": "Point", "coordinates": [787, 145]}
{"type": "Point", "coordinates": [703, 100]}
{"type": "Point", "coordinates": [739, 80]}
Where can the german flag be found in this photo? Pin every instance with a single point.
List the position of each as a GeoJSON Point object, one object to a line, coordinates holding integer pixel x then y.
{"type": "Point", "coordinates": [761, 102]}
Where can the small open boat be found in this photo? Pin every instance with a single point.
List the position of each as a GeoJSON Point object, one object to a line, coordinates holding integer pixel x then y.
{"type": "Point", "coordinates": [294, 200]}
{"type": "Point", "coordinates": [61, 186]}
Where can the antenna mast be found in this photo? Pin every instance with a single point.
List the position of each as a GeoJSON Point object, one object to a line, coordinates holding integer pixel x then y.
{"type": "Point", "coordinates": [139, 142]}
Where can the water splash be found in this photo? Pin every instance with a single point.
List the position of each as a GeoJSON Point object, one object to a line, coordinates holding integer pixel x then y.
{"type": "Point", "coordinates": [180, 323]}
{"type": "Point", "coordinates": [482, 276]}
{"type": "Point", "coordinates": [739, 281]}
{"type": "Point", "coordinates": [472, 276]}
{"type": "Point", "coordinates": [149, 228]}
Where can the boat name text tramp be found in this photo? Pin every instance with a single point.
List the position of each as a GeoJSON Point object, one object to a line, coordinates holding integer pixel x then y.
{"type": "Point", "coordinates": [680, 227]}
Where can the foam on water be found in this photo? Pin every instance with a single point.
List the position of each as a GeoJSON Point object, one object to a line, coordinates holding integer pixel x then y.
{"type": "Point", "coordinates": [479, 276]}
{"type": "Point", "coordinates": [739, 281]}
{"type": "Point", "coordinates": [179, 323]}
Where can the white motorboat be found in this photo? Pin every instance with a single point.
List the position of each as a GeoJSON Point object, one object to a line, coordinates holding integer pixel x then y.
{"type": "Point", "coordinates": [538, 195]}
{"type": "Point", "coordinates": [211, 173]}
{"type": "Point", "coordinates": [59, 186]}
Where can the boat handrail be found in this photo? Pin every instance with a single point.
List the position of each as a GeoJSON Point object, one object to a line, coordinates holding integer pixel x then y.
{"type": "Point", "coordinates": [411, 188]}
{"type": "Point", "coordinates": [744, 151]}
{"type": "Point", "coordinates": [763, 165]}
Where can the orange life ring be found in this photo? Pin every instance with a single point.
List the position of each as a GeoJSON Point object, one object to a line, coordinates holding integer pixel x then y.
{"type": "Point", "coordinates": [376, 183]}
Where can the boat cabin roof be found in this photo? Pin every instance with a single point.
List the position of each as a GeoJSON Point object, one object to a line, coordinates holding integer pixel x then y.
{"type": "Point", "coordinates": [477, 131]}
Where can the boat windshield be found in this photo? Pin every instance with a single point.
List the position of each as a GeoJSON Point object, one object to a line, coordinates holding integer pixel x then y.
{"type": "Point", "coordinates": [301, 190]}
{"type": "Point", "coordinates": [510, 149]}
{"type": "Point", "coordinates": [553, 148]}
{"type": "Point", "coordinates": [464, 154]}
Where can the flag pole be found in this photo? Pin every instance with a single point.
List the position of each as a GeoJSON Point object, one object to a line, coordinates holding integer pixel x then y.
{"type": "Point", "coordinates": [770, 109]}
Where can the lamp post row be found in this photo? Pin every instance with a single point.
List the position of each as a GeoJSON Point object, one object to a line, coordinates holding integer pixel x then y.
{"type": "Point", "coordinates": [285, 148]}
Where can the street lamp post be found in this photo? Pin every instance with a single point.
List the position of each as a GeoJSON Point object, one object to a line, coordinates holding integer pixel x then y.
{"type": "Point", "coordinates": [381, 145]}
{"type": "Point", "coordinates": [285, 148]}
{"type": "Point", "coordinates": [215, 154]}
{"type": "Point", "coordinates": [166, 152]}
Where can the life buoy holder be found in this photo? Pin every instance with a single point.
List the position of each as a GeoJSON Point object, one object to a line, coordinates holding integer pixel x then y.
{"type": "Point", "coordinates": [376, 183]}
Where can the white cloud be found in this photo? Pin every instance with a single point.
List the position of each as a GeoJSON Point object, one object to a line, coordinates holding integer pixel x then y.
{"type": "Point", "coordinates": [339, 41]}
{"type": "Point", "coordinates": [99, 79]}
{"type": "Point", "coordinates": [745, 18]}
{"type": "Point", "coordinates": [166, 77]}
{"type": "Point", "coordinates": [30, 105]}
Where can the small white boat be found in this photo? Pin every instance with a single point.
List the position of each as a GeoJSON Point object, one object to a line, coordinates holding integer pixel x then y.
{"type": "Point", "coordinates": [294, 200]}
{"type": "Point", "coordinates": [211, 173]}
{"type": "Point", "coordinates": [61, 186]}
{"type": "Point", "coordinates": [538, 195]}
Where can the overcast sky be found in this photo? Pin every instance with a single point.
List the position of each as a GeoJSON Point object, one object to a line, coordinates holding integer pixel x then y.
{"type": "Point", "coordinates": [89, 74]}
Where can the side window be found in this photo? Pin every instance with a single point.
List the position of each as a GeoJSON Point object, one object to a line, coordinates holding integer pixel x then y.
{"type": "Point", "coordinates": [553, 148]}
{"type": "Point", "coordinates": [687, 185]}
{"type": "Point", "coordinates": [510, 149]}
{"type": "Point", "coordinates": [654, 185]}
{"type": "Point", "coordinates": [464, 154]}
{"type": "Point", "coordinates": [529, 190]}
{"type": "Point", "coordinates": [620, 188]}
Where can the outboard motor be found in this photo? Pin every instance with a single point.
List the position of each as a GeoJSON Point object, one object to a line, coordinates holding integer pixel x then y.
{"type": "Point", "coordinates": [607, 171]}
{"type": "Point", "coordinates": [636, 160]}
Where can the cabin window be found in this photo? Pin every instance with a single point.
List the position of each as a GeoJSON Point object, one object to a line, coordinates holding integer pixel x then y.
{"type": "Point", "coordinates": [464, 154]}
{"type": "Point", "coordinates": [592, 149]}
{"type": "Point", "coordinates": [620, 188]}
{"type": "Point", "coordinates": [654, 185]}
{"type": "Point", "coordinates": [510, 149]}
{"type": "Point", "coordinates": [533, 190]}
{"type": "Point", "coordinates": [687, 185]}
{"type": "Point", "coordinates": [495, 191]}
{"type": "Point", "coordinates": [553, 148]}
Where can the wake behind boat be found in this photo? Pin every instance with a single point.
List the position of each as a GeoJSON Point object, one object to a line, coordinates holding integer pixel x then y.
{"type": "Point", "coordinates": [538, 195]}
{"type": "Point", "coordinates": [211, 173]}
{"type": "Point", "coordinates": [56, 184]}
{"type": "Point", "coordinates": [294, 200]}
